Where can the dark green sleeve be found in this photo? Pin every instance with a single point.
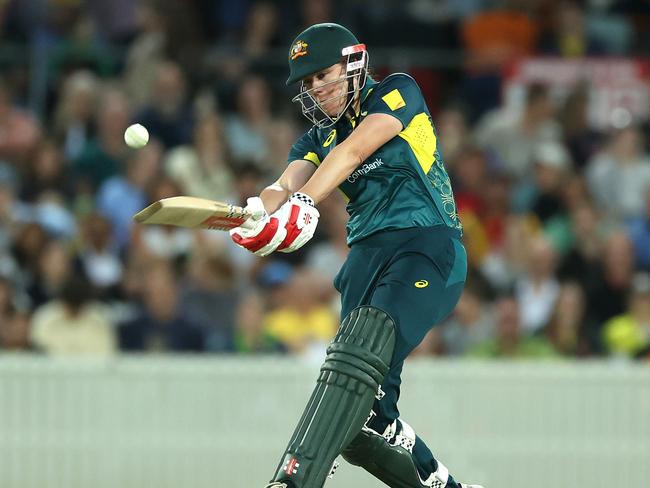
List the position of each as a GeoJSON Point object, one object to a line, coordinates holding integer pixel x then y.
{"type": "Point", "coordinates": [397, 95]}
{"type": "Point", "coordinates": [306, 148]}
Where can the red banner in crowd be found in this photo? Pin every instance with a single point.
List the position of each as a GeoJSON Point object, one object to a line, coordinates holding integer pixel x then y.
{"type": "Point", "coordinates": [619, 88]}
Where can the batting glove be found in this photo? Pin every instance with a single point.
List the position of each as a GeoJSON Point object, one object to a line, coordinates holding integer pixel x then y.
{"type": "Point", "coordinates": [261, 234]}
{"type": "Point", "coordinates": [301, 221]}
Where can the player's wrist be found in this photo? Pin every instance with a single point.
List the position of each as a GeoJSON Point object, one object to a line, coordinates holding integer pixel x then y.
{"type": "Point", "coordinates": [304, 198]}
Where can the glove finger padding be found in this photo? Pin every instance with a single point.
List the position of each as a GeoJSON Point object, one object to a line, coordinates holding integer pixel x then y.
{"type": "Point", "coordinates": [260, 234]}
{"type": "Point", "coordinates": [260, 242]}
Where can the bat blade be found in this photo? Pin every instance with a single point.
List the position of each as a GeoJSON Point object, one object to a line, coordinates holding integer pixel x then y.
{"type": "Point", "coordinates": [192, 212]}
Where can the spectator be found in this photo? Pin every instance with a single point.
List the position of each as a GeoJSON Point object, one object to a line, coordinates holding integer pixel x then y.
{"type": "Point", "coordinates": [639, 232]}
{"type": "Point", "coordinates": [202, 169]}
{"type": "Point", "coordinates": [261, 31]}
{"type": "Point", "coordinates": [145, 53]}
{"type": "Point", "coordinates": [73, 116]}
{"type": "Point", "coordinates": [53, 271]}
{"type": "Point", "coordinates": [567, 319]}
{"type": "Point", "coordinates": [12, 210]}
{"type": "Point", "coordinates": [454, 131]}
{"type": "Point", "coordinates": [506, 236]}
{"type": "Point", "coordinates": [569, 37]}
{"type": "Point", "coordinates": [209, 299]}
{"type": "Point", "coordinates": [280, 139]}
{"type": "Point", "coordinates": [51, 212]}
{"type": "Point", "coordinates": [470, 177]}
{"type": "Point", "coordinates": [248, 181]}
{"type": "Point", "coordinates": [629, 334]}
{"type": "Point", "coordinates": [115, 21]}
{"type": "Point", "coordinates": [472, 323]}
{"type": "Point", "coordinates": [73, 44]}
{"type": "Point", "coordinates": [274, 278]}
{"type": "Point", "coordinates": [512, 138]}
{"type": "Point", "coordinates": [492, 38]}
{"type": "Point", "coordinates": [98, 258]}
{"type": "Point", "coordinates": [19, 130]}
{"type": "Point", "coordinates": [301, 321]}
{"type": "Point", "coordinates": [27, 249]}
{"type": "Point", "coordinates": [46, 172]}
{"type": "Point", "coordinates": [249, 129]}
{"type": "Point", "coordinates": [538, 290]}
{"type": "Point", "coordinates": [510, 341]}
{"type": "Point", "coordinates": [551, 167]}
{"type": "Point", "coordinates": [160, 325]}
{"type": "Point", "coordinates": [121, 196]}
{"type": "Point", "coordinates": [73, 324]}
{"type": "Point", "coordinates": [316, 11]}
{"type": "Point", "coordinates": [580, 138]}
{"type": "Point", "coordinates": [645, 123]}
{"type": "Point", "coordinates": [581, 260]}
{"type": "Point", "coordinates": [105, 154]}
{"type": "Point", "coordinates": [618, 177]}
{"type": "Point", "coordinates": [607, 293]}
{"type": "Point", "coordinates": [250, 335]}
{"type": "Point", "coordinates": [14, 323]}
{"type": "Point", "coordinates": [168, 116]}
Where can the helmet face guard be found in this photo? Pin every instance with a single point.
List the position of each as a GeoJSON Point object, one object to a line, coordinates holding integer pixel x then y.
{"type": "Point", "coordinates": [352, 81]}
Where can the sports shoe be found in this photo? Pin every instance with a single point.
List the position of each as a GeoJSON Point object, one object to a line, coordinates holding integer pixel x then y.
{"type": "Point", "coordinates": [277, 484]}
{"type": "Point", "coordinates": [440, 477]}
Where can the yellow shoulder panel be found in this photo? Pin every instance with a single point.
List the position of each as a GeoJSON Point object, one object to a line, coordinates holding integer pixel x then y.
{"type": "Point", "coordinates": [394, 99]}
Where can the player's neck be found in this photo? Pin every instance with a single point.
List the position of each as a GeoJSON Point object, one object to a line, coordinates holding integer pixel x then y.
{"type": "Point", "coordinates": [355, 108]}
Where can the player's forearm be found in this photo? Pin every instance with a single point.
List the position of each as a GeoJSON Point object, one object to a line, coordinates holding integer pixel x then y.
{"type": "Point", "coordinates": [335, 168]}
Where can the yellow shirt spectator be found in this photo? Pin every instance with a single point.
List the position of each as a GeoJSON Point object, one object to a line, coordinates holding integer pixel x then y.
{"type": "Point", "coordinates": [297, 330]}
{"type": "Point", "coordinates": [629, 333]}
{"type": "Point", "coordinates": [625, 335]}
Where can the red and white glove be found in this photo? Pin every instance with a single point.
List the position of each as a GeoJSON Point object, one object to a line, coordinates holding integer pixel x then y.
{"type": "Point", "coordinates": [300, 219]}
{"type": "Point", "coordinates": [261, 234]}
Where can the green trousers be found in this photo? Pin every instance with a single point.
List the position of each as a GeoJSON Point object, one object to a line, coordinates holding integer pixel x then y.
{"type": "Point", "coordinates": [416, 275]}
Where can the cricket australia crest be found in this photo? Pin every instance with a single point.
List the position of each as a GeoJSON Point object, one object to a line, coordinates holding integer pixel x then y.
{"type": "Point", "coordinates": [298, 49]}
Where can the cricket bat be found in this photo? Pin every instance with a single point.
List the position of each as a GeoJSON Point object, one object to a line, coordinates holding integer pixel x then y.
{"type": "Point", "coordinates": [192, 212]}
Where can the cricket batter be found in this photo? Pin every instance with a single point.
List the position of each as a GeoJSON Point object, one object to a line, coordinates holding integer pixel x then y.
{"type": "Point", "coordinates": [406, 269]}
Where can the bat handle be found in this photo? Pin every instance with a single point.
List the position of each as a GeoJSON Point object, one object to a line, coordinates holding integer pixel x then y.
{"type": "Point", "coordinates": [249, 223]}
{"type": "Point", "coordinates": [256, 212]}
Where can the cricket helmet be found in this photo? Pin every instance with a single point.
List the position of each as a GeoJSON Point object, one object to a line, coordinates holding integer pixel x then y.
{"type": "Point", "coordinates": [321, 46]}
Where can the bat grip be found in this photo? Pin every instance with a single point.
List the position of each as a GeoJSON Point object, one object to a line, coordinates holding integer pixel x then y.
{"type": "Point", "coordinates": [253, 219]}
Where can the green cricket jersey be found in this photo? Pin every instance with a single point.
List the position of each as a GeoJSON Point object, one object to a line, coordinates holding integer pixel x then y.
{"type": "Point", "coordinates": [404, 183]}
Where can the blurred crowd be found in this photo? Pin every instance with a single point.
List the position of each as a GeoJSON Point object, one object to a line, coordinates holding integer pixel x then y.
{"type": "Point", "coordinates": [556, 212]}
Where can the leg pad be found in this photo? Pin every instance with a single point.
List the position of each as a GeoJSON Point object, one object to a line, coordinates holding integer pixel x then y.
{"type": "Point", "coordinates": [357, 361]}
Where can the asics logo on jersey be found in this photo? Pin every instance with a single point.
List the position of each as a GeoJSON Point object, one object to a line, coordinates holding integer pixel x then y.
{"type": "Point", "coordinates": [421, 284]}
{"type": "Point", "coordinates": [330, 138]}
{"type": "Point", "coordinates": [365, 169]}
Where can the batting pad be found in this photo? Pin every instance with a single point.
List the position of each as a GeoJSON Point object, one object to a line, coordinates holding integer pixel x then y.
{"type": "Point", "coordinates": [357, 361]}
